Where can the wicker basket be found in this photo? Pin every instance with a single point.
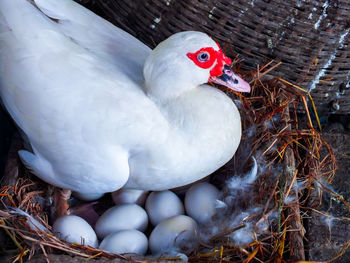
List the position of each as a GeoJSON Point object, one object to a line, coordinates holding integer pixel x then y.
{"type": "Point", "coordinates": [310, 37]}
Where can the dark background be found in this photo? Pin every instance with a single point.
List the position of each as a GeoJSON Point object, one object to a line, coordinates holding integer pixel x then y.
{"type": "Point", "coordinates": [7, 129]}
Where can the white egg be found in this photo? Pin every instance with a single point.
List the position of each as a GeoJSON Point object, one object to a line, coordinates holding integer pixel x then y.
{"type": "Point", "coordinates": [87, 196]}
{"type": "Point", "coordinates": [125, 241]}
{"type": "Point", "coordinates": [162, 205]}
{"type": "Point", "coordinates": [177, 231]}
{"type": "Point", "coordinates": [129, 196]}
{"type": "Point", "coordinates": [117, 218]}
{"type": "Point", "coordinates": [200, 201]}
{"type": "Point", "coordinates": [74, 229]}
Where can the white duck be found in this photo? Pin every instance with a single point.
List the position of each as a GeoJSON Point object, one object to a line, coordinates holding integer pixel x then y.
{"type": "Point", "coordinates": [101, 110]}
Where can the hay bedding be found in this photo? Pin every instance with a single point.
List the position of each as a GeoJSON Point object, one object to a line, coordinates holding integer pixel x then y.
{"type": "Point", "coordinates": [259, 219]}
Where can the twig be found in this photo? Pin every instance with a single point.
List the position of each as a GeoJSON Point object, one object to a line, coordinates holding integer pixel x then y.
{"type": "Point", "coordinates": [294, 221]}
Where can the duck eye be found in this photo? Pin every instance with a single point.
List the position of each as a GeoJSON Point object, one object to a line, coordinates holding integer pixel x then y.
{"type": "Point", "coordinates": [203, 57]}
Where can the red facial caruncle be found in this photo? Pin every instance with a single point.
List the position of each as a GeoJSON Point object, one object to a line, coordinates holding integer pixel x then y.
{"type": "Point", "coordinates": [206, 57]}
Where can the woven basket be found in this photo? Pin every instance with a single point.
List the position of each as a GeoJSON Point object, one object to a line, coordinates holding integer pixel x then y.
{"type": "Point", "coordinates": [310, 37]}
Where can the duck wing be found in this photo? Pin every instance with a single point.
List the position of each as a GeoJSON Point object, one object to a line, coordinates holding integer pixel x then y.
{"type": "Point", "coordinates": [98, 35]}
{"type": "Point", "coordinates": [81, 114]}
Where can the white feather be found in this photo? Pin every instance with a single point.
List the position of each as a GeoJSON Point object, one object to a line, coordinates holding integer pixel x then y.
{"type": "Point", "coordinates": [31, 221]}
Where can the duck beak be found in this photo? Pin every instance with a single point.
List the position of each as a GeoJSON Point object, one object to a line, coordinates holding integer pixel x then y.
{"type": "Point", "coordinates": [231, 80]}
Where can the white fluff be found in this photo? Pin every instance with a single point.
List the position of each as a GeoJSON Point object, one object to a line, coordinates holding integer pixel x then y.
{"type": "Point", "coordinates": [239, 183]}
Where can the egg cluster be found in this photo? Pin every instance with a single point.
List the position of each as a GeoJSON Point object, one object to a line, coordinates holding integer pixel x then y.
{"type": "Point", "coordinates": [121, 229]}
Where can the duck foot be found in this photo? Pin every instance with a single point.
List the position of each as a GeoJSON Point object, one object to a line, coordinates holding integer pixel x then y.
{"type": "Point", "coordinates": [60, 199]}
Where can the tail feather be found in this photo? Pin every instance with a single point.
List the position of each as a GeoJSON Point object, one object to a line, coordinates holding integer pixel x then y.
{"type": "Point", "coordinates": [41, 168]}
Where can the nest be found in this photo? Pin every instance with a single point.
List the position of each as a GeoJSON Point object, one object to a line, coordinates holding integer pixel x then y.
{"type": "Point", "coordinates": [310, 37]}
{"type": "Point", "coordinates": [296, 165]}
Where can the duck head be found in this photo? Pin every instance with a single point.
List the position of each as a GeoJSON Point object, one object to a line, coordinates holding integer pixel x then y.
{"type": "Point", "coordinates": [185, 61]}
